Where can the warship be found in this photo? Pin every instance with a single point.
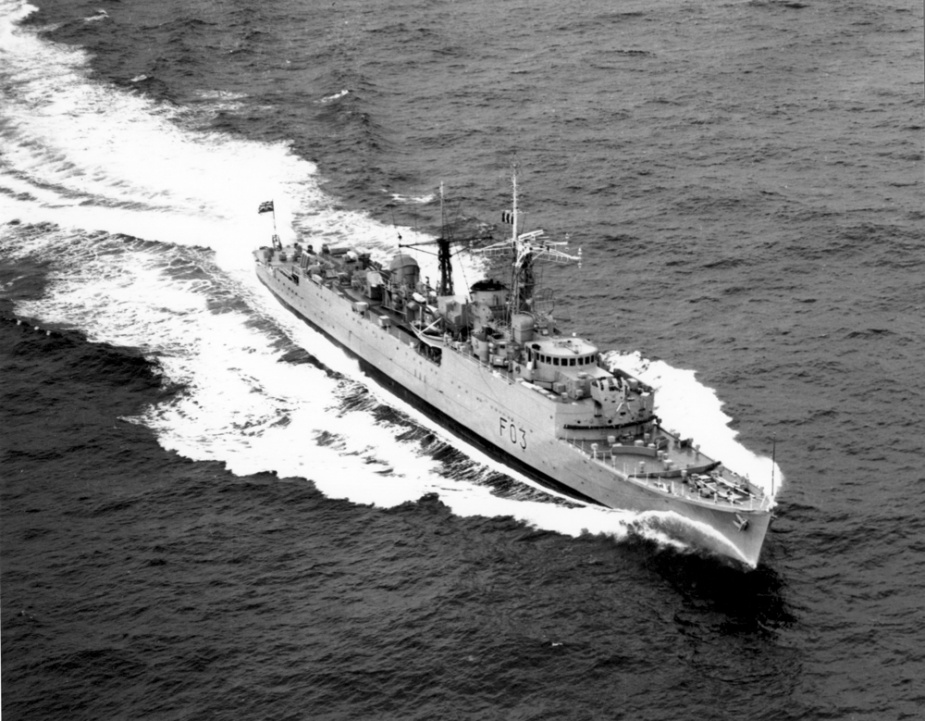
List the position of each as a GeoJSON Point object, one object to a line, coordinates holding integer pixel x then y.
{"type": "Point", "coordinates": [490, 366]}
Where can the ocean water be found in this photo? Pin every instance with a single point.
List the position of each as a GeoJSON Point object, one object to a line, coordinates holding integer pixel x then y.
{"type": "Point", "coordinates": [209, 512]}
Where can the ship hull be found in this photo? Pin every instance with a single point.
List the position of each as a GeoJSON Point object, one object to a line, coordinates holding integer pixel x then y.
{"type": "Point", "coordinates": [507, 422]}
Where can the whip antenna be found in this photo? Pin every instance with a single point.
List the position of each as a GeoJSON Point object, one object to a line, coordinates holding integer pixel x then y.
{"type": "Point", "coordinates": [773, 464]}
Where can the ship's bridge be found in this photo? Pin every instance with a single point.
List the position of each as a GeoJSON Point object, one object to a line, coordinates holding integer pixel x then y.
{"type": "Point", "coordinates": [555, 358]}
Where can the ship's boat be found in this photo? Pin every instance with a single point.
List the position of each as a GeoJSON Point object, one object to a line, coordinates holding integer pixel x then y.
{"type": "Point", "coordinates": [491, 366]}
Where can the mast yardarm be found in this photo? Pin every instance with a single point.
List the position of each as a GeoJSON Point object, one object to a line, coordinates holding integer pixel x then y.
{"type": "Point", "coordinates": [527, 248]}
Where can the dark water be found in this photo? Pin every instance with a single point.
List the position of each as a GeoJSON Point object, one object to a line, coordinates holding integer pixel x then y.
{"type": "Point", "coordinates": [206, 512]}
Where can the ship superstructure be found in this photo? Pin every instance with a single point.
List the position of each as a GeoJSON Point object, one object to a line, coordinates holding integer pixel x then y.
{"type": "Point", "coordinates": [491, 366]}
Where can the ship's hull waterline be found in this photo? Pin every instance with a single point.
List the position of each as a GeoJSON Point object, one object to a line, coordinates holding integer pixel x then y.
{"type": "Point", "coordinates": [496, 414]}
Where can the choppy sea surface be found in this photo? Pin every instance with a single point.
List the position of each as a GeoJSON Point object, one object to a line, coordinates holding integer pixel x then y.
{"type": "Point", "coordinates": [209, 512]}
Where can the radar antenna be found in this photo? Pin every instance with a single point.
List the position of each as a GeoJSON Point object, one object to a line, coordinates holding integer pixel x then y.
{"type": "Point", "coordinates": [527, 248]}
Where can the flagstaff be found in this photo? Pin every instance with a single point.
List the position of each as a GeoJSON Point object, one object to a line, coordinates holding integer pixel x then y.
{"type": "Point", "coordinates": [268, 206]}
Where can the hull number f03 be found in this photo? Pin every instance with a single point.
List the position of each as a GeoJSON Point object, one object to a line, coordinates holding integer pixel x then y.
{"type": "Point", "coordinates": [514, 433]}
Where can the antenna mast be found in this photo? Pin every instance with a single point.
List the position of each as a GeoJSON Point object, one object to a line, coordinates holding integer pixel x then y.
{"type": "Point", "coordinates": [527, 248]}
{"type": "Point", "coordinates": [443, 253]}
{"type": "Point", "coordinates": [773, 464]}
{"type": "Point", "coordinates": [514, 207]}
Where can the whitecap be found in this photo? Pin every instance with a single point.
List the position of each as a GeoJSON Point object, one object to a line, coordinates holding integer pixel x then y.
{"type": "Point", "coordinates": [335, 96]}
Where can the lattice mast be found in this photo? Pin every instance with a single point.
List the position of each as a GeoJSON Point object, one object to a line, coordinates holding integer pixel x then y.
{"type": "Point", "coordinates": [444, 250]}
{"type": "Point", "coordinates": [443, 253]}
{"type": "Point", "coordinates": [526, 248]}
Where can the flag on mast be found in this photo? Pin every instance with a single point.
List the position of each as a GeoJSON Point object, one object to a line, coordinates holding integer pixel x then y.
{"type": "Point", "coordinates": [267, 207]}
